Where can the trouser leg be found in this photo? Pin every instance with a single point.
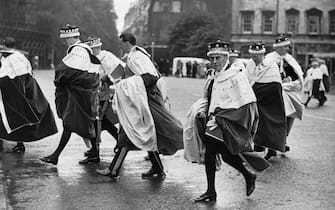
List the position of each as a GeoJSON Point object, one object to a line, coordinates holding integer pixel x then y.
{"type": "Point", "coordinates": [322, 97]}
{"type": "Point", "coordinates": [308, 99]}
{"type": "Point", "coordinates": [211, 149]}
{"type": "Point", "coordinates": [110, 127]}
{"type": "Point", "coordinates": [120, 155]}
{"type": "Point", "coordinates": [63, 142]}
{"type": "Point", "coordinates": [233, 160]}
{"type": "Point", "coordinates": [156, 162]}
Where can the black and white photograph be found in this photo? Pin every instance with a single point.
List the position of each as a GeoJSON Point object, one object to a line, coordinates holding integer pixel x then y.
{"type": "Point", "coordinates": [167, 104]}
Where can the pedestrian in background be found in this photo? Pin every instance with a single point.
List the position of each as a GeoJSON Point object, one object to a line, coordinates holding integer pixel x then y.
{"type": "Point", "coordinates": [194, 69]}
{"type": "Point", "coordinates": [189, 69]}
{"type": "Point", "coordinates": [313, 83]}
{"type": "Point", "coordinates": [325, 80]}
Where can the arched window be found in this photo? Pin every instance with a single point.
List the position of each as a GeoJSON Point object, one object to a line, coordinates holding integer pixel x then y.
{"type": "Point", "coordinates": [314, 21]}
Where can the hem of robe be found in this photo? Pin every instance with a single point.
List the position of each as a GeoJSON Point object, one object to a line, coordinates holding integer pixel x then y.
{"type": "Point", "coordinates": [236, 127]}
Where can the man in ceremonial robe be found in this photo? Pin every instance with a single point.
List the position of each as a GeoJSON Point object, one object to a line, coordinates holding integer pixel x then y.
{"type": "Point", "coordinates": [265, 79]}
{"type": "Point", "coordinates": [145, 123]}
{"type": "Point", "coordinates": [76, 81]}
{"type": "Point", "coordinates": [292, 80]}
{"type": "Point", "coordinates": [228, 124]}
{"type": "Point", "coordinates": [25, 112]}
{"type": "Point", "coordinates": [111, 69]}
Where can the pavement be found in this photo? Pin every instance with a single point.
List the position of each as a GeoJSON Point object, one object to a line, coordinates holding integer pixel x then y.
{"type": "Point", "coordinates": [303, 178]}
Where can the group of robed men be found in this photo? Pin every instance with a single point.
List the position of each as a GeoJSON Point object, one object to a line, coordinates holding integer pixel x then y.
{"type": "Point", "coordinates": [244, 108]}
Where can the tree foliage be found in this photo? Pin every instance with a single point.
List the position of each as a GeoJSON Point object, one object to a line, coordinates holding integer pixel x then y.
{"type": "Point", "coordinates": [192, 33]}
{"type": "Point", "coordinates": [93, 17]}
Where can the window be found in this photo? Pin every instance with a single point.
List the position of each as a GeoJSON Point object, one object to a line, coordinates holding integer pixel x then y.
{"type": "Point", "coordinates": [176, 6]}
{"type": "Point", "coordinates": [313, 24]}
{"type": "Point", "coordinates": [199, 4]}
{"type": "Point", "coordinates": [165, 6]}
{"type": "Point", "coordinates": [332, 22]}
{"type": "Point", "coordinates": [247, 19]}
{"type": "Point", "coordinates": [314, 21]}
{"type": "Point", "coordinates": [292, 21]}
{"type": "Point", "coordinates": [156, 7]}
{"type": "Point", "coordinates": [267, 21]}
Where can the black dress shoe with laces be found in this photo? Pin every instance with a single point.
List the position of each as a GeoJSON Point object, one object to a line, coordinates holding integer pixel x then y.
{"type": "Point", "coordinates": [153, 174]}
{"type": "Point", "coordinates": [50, 159]}
{"type": "Point", "coordinates": [90, 160]}
{"type": "Point", "coordinates": [250, 184]}
{"type": "Point", "coordinates": [206, 197]}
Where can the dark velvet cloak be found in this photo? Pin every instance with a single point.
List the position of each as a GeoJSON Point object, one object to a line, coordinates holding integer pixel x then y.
{"type": "Point", "coordinates": [28, 113]}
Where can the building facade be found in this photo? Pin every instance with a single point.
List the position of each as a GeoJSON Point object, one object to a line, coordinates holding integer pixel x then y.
{"type": "Point", "coordinates": [310, 23]}
{"type": "Point", "coordinates": [151, 20]}
{"type": "Point", "coordinates": [18, 19]}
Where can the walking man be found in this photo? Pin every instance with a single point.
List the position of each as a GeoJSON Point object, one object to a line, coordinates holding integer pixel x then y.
{"type": "Point", "coordinates": [76, 81]}
{"type": "Point", "coordinates": [25, 112]}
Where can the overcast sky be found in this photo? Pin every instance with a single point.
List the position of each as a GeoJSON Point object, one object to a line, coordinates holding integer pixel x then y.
{"type": "Point", "coordinates": [121, 8]}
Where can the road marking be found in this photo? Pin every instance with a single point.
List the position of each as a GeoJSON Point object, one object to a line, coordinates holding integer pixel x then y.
{"type": "Point", "coordinates": [320, 118]}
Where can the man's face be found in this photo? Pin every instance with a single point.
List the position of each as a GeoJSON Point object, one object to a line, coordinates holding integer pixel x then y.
{"type": "Point", "coordinates": [282, 50]}
{"type": "Point", "coordinates": [124, 46]}
{"type": "Point", "coordinates": [70, 41]}
{"type": "Point", "coordinates": [257, 57]}
{"type": "Point", "coordinates": [218, 61]}
{"type": "Point", "coordinates": [67, 41]}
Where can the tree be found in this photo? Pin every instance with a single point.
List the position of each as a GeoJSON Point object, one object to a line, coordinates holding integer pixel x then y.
{"type": "Point", "coordinates": [192, 33]}
{"type": "Point", "coordinates": [93, 17]}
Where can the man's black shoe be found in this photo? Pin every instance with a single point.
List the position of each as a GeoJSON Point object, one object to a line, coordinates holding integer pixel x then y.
{"type": "Point", "coordinates": [250, 184]}
{"type": "Point", "coordinates": [287, 148]}
{"type": "Point", "coordinates": [153, 174]}
{"type": "Point", "coordinates": [90, 152]}
{"type": "Point", "coordinates": [50, 159]}
{"type": "Point", "coordinates": [90, 160]}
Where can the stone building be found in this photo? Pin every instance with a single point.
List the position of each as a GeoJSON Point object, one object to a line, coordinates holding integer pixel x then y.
{"type": "Point", "coordinates": [310, 23]}
{"type": "Point", "coordinates": [151, 20]}
{"type": "Point", "coordinates": [18, 19]}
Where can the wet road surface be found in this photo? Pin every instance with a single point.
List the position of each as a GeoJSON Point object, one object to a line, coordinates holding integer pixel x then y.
{"type": "Point", "coordinates": [304, 178]}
